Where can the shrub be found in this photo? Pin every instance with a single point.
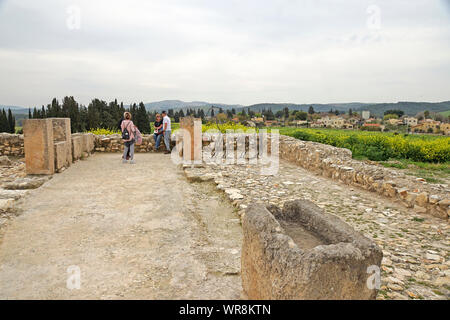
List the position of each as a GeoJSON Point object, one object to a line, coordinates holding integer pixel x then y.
{"type": "Point", "coordinates": [104, 132]}
{"type": "Point", "coordinates": [379, 146]}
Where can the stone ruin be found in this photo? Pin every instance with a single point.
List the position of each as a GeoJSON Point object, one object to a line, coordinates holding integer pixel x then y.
{"type": "Point", "coordinates": [50, 147]}
{"type": "Point", "coordinates": [191, 138]}
{"type": "Point", "coordinates": [301, 252]}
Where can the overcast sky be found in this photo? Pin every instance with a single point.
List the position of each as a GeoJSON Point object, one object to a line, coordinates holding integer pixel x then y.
{"type": "Point", "coordinates": [229, 51]}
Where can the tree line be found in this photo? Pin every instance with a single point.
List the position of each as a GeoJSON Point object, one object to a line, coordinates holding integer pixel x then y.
{"type": "Point", "coordinates": [7, 122]}
{"type": "Point", "coordinates": [104, 115]}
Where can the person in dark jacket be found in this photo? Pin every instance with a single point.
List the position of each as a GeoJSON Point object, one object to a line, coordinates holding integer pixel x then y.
{"type": "Point", "coordinates": [158, 133]}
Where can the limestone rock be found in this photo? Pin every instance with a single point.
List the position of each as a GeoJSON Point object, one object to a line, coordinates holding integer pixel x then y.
{"type": "Point", "coordinates": [4, 161]}
{"type": "Point", "coordinates": [25, 183]}
{"type": "Point", "coordinates": [274, 266]}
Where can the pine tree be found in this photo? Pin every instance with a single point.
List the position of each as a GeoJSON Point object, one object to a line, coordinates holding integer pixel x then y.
{"type": "Point", "coordinates": [286, 113]}
{"type": "Point", "coordinates": [11, 122]}
{"type": "Point", "coordinates": [142, 121]}
{"type": "Point", "coordinates": [30, 116]}
{"type": "Point", "coordinates": [3, 122]}
{"type": "Point", "coordinates": [311, 110]}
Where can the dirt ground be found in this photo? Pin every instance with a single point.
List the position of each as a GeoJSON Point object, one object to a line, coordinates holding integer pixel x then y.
{"type": "Point", "coordinates": [133, 231]}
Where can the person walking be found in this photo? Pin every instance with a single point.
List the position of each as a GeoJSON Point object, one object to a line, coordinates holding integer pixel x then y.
{"type": "Point", "coordinates": [119, 126]}
{"type": "Point", "coordinates": [167, 129]}
{"type": "Point", "coordinates": [128, 135]}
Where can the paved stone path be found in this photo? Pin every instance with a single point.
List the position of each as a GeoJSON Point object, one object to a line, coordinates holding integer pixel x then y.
{"type": "Point", "coordinates": [135, 232]}
{"type": "Point", "coordinates": [416, 247]}
{"type": "Point", "coordinates": [107, 219]}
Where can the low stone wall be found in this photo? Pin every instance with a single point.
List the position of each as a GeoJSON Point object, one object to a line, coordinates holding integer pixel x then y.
{"type": "Point", "coordinates": [11, 145]}
{"type": "Point", "coordinates": [329, 161]}
{"type": "Point", "coordinates": [114, 143]}
{"type": "Point", "coordinates": [281, 264]}
{"type": "Point", "coordinates": [337, 164]}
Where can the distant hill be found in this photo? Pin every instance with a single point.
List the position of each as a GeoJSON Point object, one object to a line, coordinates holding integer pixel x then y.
{"type": "Point", "coordinates": [304, 107]}
{"type": "Point", "coordinates": [410, 108]}
{"type": "Point", "coordinates": [178, 104]}
{"type": "Point", "coordinates": [15, 109]}
{"type": "Point", "coordinates": [378, 109]}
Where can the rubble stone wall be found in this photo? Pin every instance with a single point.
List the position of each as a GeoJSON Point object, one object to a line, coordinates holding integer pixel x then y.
{"type": "Point", "coordinates": [337, 164]}
{"type": "Point", "coordinates": [11, 145]}
{"type": "Point", "coordinates": [329, 161]}
{"type": "Point", "coordinates": [114, 143]}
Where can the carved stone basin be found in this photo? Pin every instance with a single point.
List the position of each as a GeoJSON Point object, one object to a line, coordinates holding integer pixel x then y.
{"type": "Point", "coordinates": [301, 252]}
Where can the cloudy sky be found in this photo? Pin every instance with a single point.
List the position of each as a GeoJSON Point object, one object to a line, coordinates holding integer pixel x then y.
{"type": "Point", "coordinates": [229, 51]}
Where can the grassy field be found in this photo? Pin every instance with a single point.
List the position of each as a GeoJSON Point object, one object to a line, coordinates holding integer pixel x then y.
{"type": "Point", "coordinates": [424, 156]}
{"type": "Point", "coordinates": [431, 172]}
{"type": "Point", "coordinates": [379, 146]}
{"type": "Point", "coordinates": [445, 113]}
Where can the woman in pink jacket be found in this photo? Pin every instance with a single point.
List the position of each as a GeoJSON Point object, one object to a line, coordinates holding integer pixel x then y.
{"type": "Point", "coordinates": [129, 143]}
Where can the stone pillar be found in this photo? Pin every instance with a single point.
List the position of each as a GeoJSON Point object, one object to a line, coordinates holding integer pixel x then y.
{"type": "Point", "coordinates": [62, 133]}
{"type": "Point", "coordinates": [192, 139]}
{"type": "Point", "coordinates": [38, 145]}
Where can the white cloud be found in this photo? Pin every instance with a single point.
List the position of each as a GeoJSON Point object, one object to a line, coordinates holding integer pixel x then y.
{"type": "Point", "coordinates": [224, 51]}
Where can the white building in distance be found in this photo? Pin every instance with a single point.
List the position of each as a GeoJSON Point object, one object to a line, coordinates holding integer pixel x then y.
{"type": "Point", "coordinates": [365, 115]}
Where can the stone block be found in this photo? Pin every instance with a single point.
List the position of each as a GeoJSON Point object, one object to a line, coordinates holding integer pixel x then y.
{"type": "Point", "coordinates": [89, 142]}
{"type": "Point", "coordinates": [77, 147]}
{"type": "Point", "coordinates": [61, 155]}
{"type": "Point", "coordinates": [301, 252]}
{"type": "Point", "coordinates": [62, 133]}
{"type": "Point", "coordinates": [38, 145]}
{"type": "Point", "coordinates": [192, 139]}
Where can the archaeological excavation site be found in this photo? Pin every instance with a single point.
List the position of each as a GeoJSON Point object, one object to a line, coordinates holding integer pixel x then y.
{"type": "Point", "coordinates": [77, 223]}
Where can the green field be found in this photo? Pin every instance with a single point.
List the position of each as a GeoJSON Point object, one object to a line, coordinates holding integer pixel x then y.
{"type": "Point", "coordinates": [445, 113]}
{"type": "Point", "coordinates": [424, 156]}
{"type": "Point", "coordinates": [379, 146]}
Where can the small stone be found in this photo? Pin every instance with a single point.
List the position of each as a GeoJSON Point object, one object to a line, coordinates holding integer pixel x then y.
{"type": "Point", "coordinates": [420, 209]}
{"type": "Point", "coordinates": [394, 287]}
{"type": "Point", "coordinates": [422, 199]}
{"type": "Point", "coordinates": [402, 272]}
{"type": "Point", "coordinates": [4, 161]}
{"type": "Point", "coordinates": [433, 257]}
{"type": "Point", "coordinates": [6, 204]}
{"type": "Point", "coordinates": [412, 295]}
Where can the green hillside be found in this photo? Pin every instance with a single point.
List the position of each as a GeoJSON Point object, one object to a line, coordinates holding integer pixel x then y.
{"type": "Point", "coordinates": [445, 113]}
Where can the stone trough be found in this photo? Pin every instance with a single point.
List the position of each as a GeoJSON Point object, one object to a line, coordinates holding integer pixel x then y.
{"type": "Point", "coordinates": [301, 252]}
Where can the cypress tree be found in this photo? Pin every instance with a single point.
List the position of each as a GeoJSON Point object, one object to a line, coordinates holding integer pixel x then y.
{"type": "Point", "coordinates": [142, 121]}
{"type": "Point", "coordinates": [11, 122]}
{"type": "Point", "coordinates": [4, 126]}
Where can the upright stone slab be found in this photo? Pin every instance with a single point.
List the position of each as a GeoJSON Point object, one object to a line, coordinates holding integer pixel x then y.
{"type": "Point", "coordinates": [192, 139]}
{"type": "Point", "coordinates": [62, 133]}
{"type": "Point", "coordinates": [77, 147]}
{"type": "Point", "coordinates": [38, 145]}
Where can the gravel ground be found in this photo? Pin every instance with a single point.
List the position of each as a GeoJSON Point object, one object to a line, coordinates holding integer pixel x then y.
{"type": "Point", "coordinates": [133, 231]}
